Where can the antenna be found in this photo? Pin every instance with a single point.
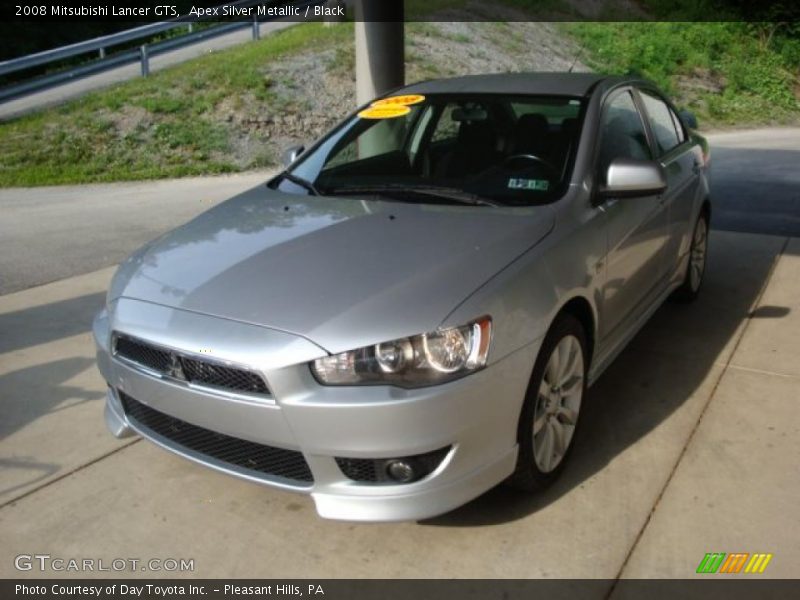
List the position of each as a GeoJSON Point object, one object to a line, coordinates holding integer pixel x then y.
{"type": "Point", "coordinates": [577, 56]}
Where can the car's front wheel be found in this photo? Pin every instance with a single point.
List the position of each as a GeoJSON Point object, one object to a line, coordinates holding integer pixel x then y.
{"type": "Point", "coordinates": [552, 406]}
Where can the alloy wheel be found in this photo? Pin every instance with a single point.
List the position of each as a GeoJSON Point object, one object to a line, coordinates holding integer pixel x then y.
{"type": "Point", "coordinates": [558, 403]}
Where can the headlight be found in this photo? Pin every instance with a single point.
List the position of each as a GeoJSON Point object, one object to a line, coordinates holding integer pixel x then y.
{"type": "Point", "coordinates": [421, 360]}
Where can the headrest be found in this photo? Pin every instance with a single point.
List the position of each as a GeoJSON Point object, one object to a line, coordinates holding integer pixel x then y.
{"type": "Point", "coordinates": [478, 133]}
{"type": "Point", "coordinates": [532, 125]}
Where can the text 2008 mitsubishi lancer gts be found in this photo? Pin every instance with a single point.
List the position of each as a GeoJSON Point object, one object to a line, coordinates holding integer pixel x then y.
{"type": "Point", "coordinates": [411, 313]}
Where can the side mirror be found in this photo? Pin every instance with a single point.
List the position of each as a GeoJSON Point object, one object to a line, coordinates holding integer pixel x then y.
{"type": "Point", "coordinates": [630, 177]}
{"type": "Point", "coordinates": [689, 118]}
{"type": "Point", "coordinates": [291, 153]}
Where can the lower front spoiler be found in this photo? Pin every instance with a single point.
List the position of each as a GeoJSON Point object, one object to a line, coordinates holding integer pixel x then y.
{"type": "Point", "coordinates": [381, 505]}
{"type": "Point", "coordinates": [425, 504]}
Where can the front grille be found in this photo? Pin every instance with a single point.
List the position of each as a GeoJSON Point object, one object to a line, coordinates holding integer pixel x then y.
{"type": "Point", "coordinates": [231, 451]}
{"type": "Point", "coordinates": [144, 354]}
{"type": "Point", "coordinates": [192, 370]}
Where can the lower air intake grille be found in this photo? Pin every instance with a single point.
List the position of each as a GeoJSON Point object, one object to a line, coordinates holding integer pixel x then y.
{"type": "Point", "coordinates": [365, 470]}
{"type": "Point", "coordinates": [376, 470]}
{"type": "Point", "coordinates": [261, 459]}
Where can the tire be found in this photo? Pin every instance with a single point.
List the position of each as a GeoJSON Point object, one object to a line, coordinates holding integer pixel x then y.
{"type": "Point", "coordinates": [696, 265]}
{"type": "Point", "coordinates": [551, 410]}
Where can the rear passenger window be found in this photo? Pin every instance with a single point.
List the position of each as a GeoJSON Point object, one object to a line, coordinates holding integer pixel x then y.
{"type": "Point", "coordinates": [662, 122]}
{"type": "Point", "coordinates": [623, 134]}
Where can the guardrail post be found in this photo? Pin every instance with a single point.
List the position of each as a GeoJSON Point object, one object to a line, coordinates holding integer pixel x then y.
{"type": "Point", "coordinates": [145, 60]}
{"type": "Point", "coordinates": [102, 52]}
{"type": "Point", "coordinates": [256, 29]}
{"type": "Point", "coordinates": [190, 27]}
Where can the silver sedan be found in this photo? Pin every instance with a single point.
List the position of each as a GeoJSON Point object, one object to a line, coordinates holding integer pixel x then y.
{"type": "Point", "coordinates": [411, 312]}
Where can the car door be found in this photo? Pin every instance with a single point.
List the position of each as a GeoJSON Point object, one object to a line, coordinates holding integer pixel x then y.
{"type": "Point", "coordinates": [636, 228]}
{"type": "Point", "coordinates": [681, 165]}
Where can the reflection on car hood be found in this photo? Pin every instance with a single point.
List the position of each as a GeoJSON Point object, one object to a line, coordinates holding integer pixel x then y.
{"type": "Point", "coordinates": [341, 272]}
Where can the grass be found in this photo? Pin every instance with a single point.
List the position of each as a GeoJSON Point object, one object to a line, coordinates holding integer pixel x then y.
{"type": "Point", "coordinates": [167, 125]}
{"type": "Point", "coordinates": [730, 74]}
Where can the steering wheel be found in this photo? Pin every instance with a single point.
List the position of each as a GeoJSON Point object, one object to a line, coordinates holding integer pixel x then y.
{"type": "Point", "coordinates": [530, 157]}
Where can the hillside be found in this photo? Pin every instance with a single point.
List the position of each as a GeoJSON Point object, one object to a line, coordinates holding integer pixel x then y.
{"type": "Point", "coordinates": [236, 110]}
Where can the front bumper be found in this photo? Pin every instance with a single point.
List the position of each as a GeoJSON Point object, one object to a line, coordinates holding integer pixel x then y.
{"type": "Point", "coordinates": [475, 416]}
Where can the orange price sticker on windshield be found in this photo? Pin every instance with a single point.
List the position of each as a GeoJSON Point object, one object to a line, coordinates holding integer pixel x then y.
{"type": "Point", "coordinates": [384, 112]}
{"type": "Point", "coordinates": [406, 100]}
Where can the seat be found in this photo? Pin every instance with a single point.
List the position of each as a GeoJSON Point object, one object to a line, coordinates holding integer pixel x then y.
{"type": "Point", "coordinates": [475, 151]}
{"type": "Point", "coordinates": [531, 136]}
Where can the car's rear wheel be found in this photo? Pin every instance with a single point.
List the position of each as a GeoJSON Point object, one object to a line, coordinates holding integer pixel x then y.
{"type": "Point", "coordinates": [696, 267]}
{"type": "Point", "coordinates": [552, 406]}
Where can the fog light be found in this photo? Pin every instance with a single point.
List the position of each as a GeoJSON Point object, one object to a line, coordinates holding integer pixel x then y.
{"type": "Point", "coordinates": [400, 471]}
{"type": "Point", "coordinates": [390, 471]}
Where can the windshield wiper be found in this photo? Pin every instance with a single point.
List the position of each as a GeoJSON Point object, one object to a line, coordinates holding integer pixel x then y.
{"type": "Point", "coordinates": [301, 182]}
{"type": "Point", "coordinates": [455, 194]}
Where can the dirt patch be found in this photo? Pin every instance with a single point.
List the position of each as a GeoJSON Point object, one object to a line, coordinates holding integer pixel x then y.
{"type": "Point", "coordinates": [128, 120]}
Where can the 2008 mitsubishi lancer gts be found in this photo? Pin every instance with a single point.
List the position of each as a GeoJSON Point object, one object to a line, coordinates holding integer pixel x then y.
{"type": "Point", "coordinates": [411, 312]}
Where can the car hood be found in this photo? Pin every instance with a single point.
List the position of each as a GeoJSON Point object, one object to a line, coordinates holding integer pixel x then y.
{"type": "Point", "coordinates": [340, 272]}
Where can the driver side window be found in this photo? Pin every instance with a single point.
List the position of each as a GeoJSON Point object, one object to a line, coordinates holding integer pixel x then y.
{"type": "Point", "coordinates": [622, 132]}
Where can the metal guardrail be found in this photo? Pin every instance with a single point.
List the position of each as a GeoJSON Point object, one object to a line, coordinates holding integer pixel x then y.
{"type": "Point", "coordinates": [141, 54]}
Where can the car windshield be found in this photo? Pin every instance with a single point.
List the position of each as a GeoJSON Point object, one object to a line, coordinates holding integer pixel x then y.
{"type": "Point", "coordinates": [467, 149]}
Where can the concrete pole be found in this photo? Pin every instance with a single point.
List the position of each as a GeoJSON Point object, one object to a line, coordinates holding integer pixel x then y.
{"type": "Point", "coordinates": [334, 6]}
{"type": "Point", "coordinates": [380, 51]}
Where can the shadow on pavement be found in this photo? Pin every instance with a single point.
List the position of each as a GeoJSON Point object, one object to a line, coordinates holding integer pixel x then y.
{"type": "Point", "coordinates": [27, 464]}
{"type": "Point", "coordinates": [661, 368]}
{"type": "Point", "coordinates": [40, 390]}
{"type": "Point", "coordinates": [48, 322]}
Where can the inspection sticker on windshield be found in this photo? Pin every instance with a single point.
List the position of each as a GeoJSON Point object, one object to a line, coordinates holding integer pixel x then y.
{"type": "Point", "coordinates": [384, 112]}
{"type": "Point", "coordinates": [406, 100]}
{"type": "Point", "coordinates": [517, 183]}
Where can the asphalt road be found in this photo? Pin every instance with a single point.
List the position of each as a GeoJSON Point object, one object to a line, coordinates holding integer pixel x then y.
{"type": "Point", "coordinates": [47, 234]}
{"type": "Point", "coordinates": [51, 233]}
{"type": "Point", "coordinates": [57, 95]}
{"type": "Point", "coordinates": [755, 181]}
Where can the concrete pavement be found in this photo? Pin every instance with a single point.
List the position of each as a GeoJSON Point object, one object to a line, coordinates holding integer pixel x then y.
{"type": "Point", "coordinates": [736, 488]}
{"type": "Point", "coordinates": [642, 461]}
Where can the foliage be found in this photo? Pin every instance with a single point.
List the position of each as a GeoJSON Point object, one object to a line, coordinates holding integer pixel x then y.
{"type": "Point", "coordinates": [729, 72]}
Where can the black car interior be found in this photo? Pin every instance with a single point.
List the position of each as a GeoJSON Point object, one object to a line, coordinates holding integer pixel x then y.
{"type": "Point", "coordinates": [478, 143]}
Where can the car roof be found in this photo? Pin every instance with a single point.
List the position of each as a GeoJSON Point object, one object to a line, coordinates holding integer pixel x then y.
{"type": "Point", "coordinates": [545, 83]}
